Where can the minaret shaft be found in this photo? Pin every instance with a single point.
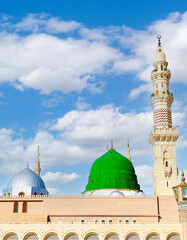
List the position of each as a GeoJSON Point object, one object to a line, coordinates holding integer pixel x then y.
{"type": "Point", "coordinates": [163, 136]}
{"type": "Point", "coordinates": [37, 168]}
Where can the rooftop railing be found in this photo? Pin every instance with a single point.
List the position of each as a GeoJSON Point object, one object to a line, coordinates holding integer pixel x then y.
{"type": "Point", "coordinates": [73, 196]}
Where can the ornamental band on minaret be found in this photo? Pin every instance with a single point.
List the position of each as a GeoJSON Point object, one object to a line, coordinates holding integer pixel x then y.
{"type": "Point", "coordinates": [163, 136]}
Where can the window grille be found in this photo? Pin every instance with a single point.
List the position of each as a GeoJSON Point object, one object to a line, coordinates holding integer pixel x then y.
{"type": "Point", "coordinates": [11, 237]}
{"type": "Point", "coordinates": [72, 237]}
{"type": "Point", "coordinates": [24, 208]}
{"type": "Point", "coordinates": [15, 210]}
{"type": "Point", "coordinates": [52, 237]}
{"type": "Point", "coordinates": [173, 236]}
{"type": "Point", "coordinates": [32, 237]}
{"type": "Point", "coordinates": [92, 237]}
{"type": "Point", "coordinates": [153, 237]}
{"type": "Point", "coordinates": [112, 237]}
{"type": "Point", "coordinates": [132, 237]}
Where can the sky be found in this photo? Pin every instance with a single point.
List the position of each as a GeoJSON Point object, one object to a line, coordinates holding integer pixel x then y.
{"type": "Point", "coordinates": [76, 74]}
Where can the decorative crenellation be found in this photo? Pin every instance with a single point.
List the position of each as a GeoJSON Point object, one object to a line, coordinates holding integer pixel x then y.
{"type": "Point", "coordinates": [163, 135]}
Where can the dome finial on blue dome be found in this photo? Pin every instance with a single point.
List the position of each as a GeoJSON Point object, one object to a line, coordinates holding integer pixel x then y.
{"type": "Point", "coordinates": [27, 164]}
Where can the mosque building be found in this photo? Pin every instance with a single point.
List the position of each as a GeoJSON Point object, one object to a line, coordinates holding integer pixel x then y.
{"type": "Point", "coordinates": [112, 206]}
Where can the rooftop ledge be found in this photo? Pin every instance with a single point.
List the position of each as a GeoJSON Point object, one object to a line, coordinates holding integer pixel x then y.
{"type": "Point", "coordinates": [72, 196]}
{"type": "Point", "coordinates": [98, 223]}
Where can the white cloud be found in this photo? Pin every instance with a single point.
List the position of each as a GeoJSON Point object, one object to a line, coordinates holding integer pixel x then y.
{"type": "Point", "coordinates": [57, 178]}
{"type": "Point", "coordinates": [53, 191]}
{"type": "Point", "coordinates": [48, 62]}
{"type": "Point", "coordinates": [144, 175]}
{"type": "Point", "coordinates": [141, 89]}
{"type": "Point", "coordinates": [81, 104]}
{"type": "Point", "coordinates": [79, 136]}
{"type": "Point", "coordinates": [96, 127]}
{"type": "Point", "coordinates": [45, 23]}
{"type": "Point", "coordinates": [52, 101]}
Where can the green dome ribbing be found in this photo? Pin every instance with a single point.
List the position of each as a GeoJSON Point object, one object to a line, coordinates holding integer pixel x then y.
{"type": "Point", "coordinates": [112, 171]}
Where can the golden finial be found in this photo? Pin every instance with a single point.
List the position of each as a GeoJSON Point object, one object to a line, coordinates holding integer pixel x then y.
{"type": "Point", "coordinates": [112, 147]}
{"type": "Point", "coordinates": [38, 154]}
{"type": "Point", "coordinates": [159, 42]}
{"type": "Point", "coordinates": [27, 164]}
{"type": "Point", "coordinates": [128, 150]}
{"type": "Point", "coordinates": [182, 178]}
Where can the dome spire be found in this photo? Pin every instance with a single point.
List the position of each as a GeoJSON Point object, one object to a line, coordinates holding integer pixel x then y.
{"type": "Point", "coordinates": [112, 145]}
{"type": "Point", "coordinates": [159, 42]}
{"type": "Point", "coordinates": [37, 168]}
{"type": "Point", "coordinates": [128, 150]}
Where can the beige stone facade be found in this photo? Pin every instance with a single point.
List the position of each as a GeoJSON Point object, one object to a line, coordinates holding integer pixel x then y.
{"type": "Point", "coordinates": [138, 215]}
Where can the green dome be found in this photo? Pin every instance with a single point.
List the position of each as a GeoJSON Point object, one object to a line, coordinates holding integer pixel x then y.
{"type": "Point", "coordinates": [112, 171]}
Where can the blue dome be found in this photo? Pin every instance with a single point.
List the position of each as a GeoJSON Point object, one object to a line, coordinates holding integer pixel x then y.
{"type": "Point", "coordinates": [26, 181]}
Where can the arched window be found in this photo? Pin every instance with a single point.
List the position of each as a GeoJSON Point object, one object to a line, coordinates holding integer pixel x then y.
{"type": "Point", "coordinates": [173, 236]}
{"type": "Point", "coordinates": [153, 237]}
{"type": "Point", "coordinates": [21, 194]}
{"type": "Point", "coordinates": [24, 207]}
{"type": "Point", "coordinates": [52, 236]}
{"type": "Point", "coordinates": [15, 210]}
{"type": "Point", "coordinates": [112, 237]}
{"type": "Point", "coordinates": [72, 236]}
{"type": "Point", "coordinates": [11, 236]}
{"type": "Point", "coordinates": [35, 193]}
{"type": "Point", "coordinates": [41, 194]}
{"type": "Point", "coordinates": [132, 237]}
{"type": "Point", "coordinates": [31, 236]}
{"type": "Point", "coordinates": [92, 237]}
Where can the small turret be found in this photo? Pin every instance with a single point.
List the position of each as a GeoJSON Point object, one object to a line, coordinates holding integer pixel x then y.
{"type": "Point", "coordinates": [37, 168]}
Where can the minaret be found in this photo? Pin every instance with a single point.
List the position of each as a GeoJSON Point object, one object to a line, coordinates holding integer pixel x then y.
{"type": "Point", "coordinates": [163, 136]}
{"type": "Point", "coordinates": [128, 151]}
{"type": "Point", "coordinates": [37, 168]}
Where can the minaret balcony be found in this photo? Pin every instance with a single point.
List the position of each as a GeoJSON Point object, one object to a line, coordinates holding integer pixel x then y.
{"type": "Point", "coordinates": [159, 74]}
{"type": "Point", "coordinates": [166, 134]}
{"type": "Point", "coordinates": [161, 98]}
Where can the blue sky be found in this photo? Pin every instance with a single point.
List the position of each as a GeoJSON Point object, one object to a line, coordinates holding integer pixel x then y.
{"type": "Point", "coordinates": [75, 74]}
